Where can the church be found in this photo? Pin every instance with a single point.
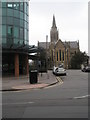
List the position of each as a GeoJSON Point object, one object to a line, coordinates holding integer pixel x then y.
{"type": "Point", "coordinates": [58, 52]}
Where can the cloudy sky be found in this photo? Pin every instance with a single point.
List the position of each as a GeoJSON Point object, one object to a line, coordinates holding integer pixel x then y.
{"type": "Point", "coordinates": [71, 21]}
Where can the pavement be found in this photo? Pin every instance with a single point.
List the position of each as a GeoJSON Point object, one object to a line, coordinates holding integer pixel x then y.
{"type": "Point", "coordinates": [23, 82]}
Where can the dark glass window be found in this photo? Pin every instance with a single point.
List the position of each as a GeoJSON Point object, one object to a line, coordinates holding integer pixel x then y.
{"type": "Point", "coordinates": [21, 15]}
{"type": "Point", "coordinates": [60, 54]}
{"type": "Point", "coordinates": [10, 20]}
{"type": "Point", "coordinates": [25, 17]}
{"type": "Point", "coordinates": [10, 31]}
{"type": "Point", "coordinates": [57, 55]}
{"type": "Point", "coordinates": [21, 23]}
{"type": "Point", "coordinates": [3, 20]}
{"type": "Point", "coordinates": [16, 13]}
{"type": "Point", "coordinates": [3, 30]}
{"type": "Point", "coordinates": [4, 4]}
{"type": "Point", "coordinates": [21, 33]}
{"type": "Point", "coordinates": [16, 32]}
{"type": "Point", "coordinates": [9, 12]}
{"type": "Point", "coordinates": [3, 40]}
{"type": "Point", "coordinates": [16, 22]}
{"type": "Point", "coordinates": [25, 34]}
{"type": "Point", "coordinates": [4, 12]}
{"type": "Point", "coordinates": [16, 6]}
{"type": "Point", "coordinates": [25, 24]}
{"type": "Point", "coordinates": [16, 41]}
{"type": "Point", "coordinates": [25, 7]}
{"type": "Point", "coordinates": [21, 42]}
{"type": "Point", "coordinates": [21, 6]}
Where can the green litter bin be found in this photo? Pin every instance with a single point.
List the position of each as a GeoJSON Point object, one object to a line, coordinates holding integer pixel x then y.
{"type": "Point", "coordinates": [33, 76]}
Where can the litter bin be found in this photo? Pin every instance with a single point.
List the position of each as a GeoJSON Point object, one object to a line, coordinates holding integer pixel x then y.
{"type": "Point", "coordinates": [33, 76]}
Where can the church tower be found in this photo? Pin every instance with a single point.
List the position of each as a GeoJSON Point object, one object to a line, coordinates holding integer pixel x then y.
{"type": "Point", "coordinates": [54, 32]}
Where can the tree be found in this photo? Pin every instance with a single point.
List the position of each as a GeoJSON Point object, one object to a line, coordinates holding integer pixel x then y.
{"type": "Point", "coordinates": [77, 59]}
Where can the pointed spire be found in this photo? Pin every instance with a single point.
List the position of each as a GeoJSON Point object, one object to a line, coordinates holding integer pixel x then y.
{"type": "Point", "coordinates": [54, 22]}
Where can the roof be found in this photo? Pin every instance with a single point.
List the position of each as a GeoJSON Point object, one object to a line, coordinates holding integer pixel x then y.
{"type": "Point", "coordinates": [43, 45]}
{"type": "Point", "coordinates": [72, 44]}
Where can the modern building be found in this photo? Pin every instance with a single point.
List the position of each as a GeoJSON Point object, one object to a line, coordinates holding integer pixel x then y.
{"type": "Point", "coordinates": [15, 40]}
{"type": "Point", "coordinates": [59, 52]}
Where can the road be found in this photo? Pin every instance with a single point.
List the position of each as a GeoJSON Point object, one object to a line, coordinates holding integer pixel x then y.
{"type": "Point", "coordinates": [66, 100]}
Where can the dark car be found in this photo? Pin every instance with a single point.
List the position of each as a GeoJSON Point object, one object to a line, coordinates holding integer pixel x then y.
{"type": "Point", "coordinates": [86, 69]}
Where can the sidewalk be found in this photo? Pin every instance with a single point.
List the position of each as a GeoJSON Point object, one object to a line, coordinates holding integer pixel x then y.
{"type": "Point", "coordinates": [22, 83]}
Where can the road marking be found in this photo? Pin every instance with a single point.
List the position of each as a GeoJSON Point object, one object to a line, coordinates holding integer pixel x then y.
{"type": "Point", "coordinates": [80, 97]}
{"type": "Point", "coordinates": [21, 103]}
{"type": "Point", "coordinates": [58, 83]}
{"type": "Point", "coordinates": [60, 80]}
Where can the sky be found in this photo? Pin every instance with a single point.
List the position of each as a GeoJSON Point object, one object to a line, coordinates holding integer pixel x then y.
{"type": "Point", "coordinates": [71, 20]}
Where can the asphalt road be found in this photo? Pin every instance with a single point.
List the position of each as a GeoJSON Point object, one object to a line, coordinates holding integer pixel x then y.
{"type": "Point", "coordinates": [67, 100]}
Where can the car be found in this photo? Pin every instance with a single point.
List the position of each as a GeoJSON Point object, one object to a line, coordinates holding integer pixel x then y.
{"type": "Point", "coordinates": [54, 68]}
{"type": "Point", "coordinates": [86, 69]}
{"type": "Point", "coordinates": [59, 70]}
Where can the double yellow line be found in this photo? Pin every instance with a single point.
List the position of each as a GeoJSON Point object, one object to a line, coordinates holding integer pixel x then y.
{"type": "Point", "coordinates": [59, 80]}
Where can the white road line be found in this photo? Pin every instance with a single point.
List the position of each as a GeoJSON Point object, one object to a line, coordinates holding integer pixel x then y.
{"type": "Point", "coordinates": [80, 97]}
{"type": "Point", "coordinates": [21, 103]}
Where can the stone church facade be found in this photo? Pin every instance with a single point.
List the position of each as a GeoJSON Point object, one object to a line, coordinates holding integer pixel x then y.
{"type": "Point", "coordinates": [59, 52]}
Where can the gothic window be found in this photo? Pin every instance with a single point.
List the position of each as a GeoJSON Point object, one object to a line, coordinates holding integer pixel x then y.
{"type": "Point", "coordinates": [52, 55]}
{"type": "Point", "coordinates": [60, 54]}
{"type": "Point", "coordinates": [63, 55]}
{"type": "Point", "coordinates": [57, 55]}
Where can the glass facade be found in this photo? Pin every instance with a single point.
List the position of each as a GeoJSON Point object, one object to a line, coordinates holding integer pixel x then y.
{"type": "Point", "coordinates": [15, 23]}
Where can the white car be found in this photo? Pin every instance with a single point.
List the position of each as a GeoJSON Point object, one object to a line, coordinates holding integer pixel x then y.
{"type": "Point", "coordinates": [59, 70]}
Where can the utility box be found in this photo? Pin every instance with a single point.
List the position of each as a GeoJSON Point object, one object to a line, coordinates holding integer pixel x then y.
{"type": "Point", "coordinates": [33, 76]}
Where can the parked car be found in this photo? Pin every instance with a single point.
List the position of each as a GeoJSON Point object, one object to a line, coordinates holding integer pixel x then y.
{"type": "Point", "coordinates": [59, 70]}
{"type": "Point", "coordinates": [86, 69]}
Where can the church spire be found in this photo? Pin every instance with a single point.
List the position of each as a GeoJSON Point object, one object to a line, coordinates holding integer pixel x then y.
{"type": "Point", "coordinates": [54, 22]}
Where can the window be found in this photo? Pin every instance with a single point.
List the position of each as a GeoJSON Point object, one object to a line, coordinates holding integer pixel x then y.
{"type": "Point", "coordinates": [9, 12]}
{"type": "Point", "coordinates": [21, 15]}
{"type": "Point", "coordinates": [21, 23]}
{"type": "Point", "coordinates": [16, 32]}
{"type": "Point", "coordinates": [16, 41]}
{"type": "Point", "coordinates": [10, 5]}
{"type": "Point", "coordinates": [4, 4]}
{"type": "Point", "coordinates": [25, 7]}
{"type": "Point", "coordinates": [16, 22]}
{"type": "Point", "coordinates": [21, 6]}
{"type": "Point", "coordinates": [16, 6]}
{"type": "Point", "coordinates": [3, 40]}
{"type": "Point", "coordinates": [67, 54]}
{"type": "Point", "coordinates": [21, 42]}
{"type": "Point", "coordinates": [4, 12]}
{"type": "Point", "coordinates": [52, 55]}
{"type": "Point", "coordinates": [10, 31]}
{"type": "Point", "coordinates": [3, 30]}
{"type": "Point", "coordinates": [21, 33]}
{"type": "Point", "coordinates": [57, 55]}
{"type": "Point", "coordinates": [16, 13]}
{"type": "Point", "coordinates": [60, 54]}
{"type": "Point", "coordinates": [4, 20]}
{"type": "Point", "coordinates": [10, 20]}
{"type": "Point", "coordinates": [25, 34]}
{"type": "Point", "coordinates": [63, 55]}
